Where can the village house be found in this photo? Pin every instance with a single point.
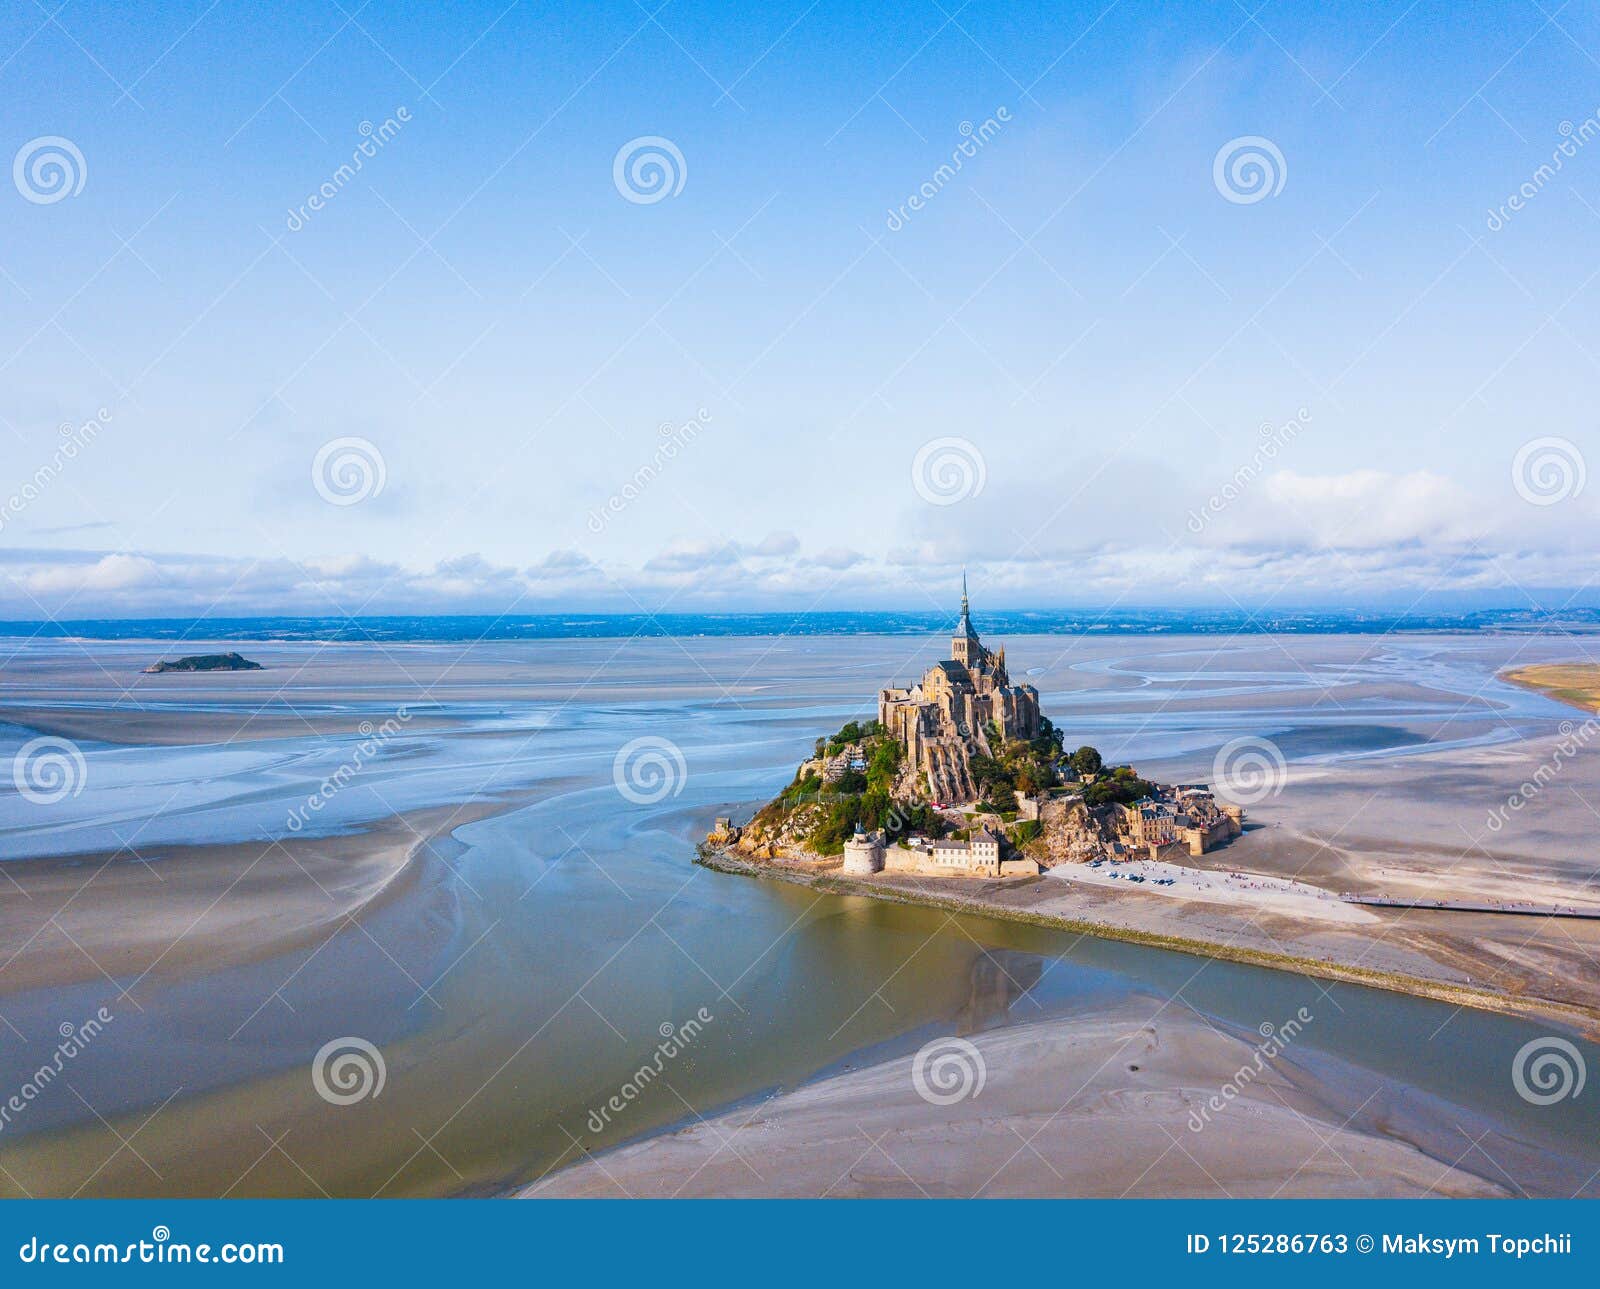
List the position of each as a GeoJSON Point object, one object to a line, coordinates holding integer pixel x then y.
{"type": "Point", "coordinates": [1189, 814]}
{"type": "Point", "coordinates": [981, 855]}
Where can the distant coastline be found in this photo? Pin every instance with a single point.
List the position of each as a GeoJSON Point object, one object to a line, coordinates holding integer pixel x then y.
{"type": "Point", "coordinates": [1089, 622]}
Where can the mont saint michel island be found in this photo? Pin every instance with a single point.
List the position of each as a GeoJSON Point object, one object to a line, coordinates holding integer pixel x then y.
{"type": "Point", "coordinates": [963, 794]}
{"type": "Point", "coordinates": [962, 775]}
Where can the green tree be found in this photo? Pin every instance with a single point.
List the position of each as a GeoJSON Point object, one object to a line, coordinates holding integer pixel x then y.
{"type": "Point", "coordinates": [1122, 786]}
{"type": "Point", "coordinates": [1047, 742]}
{"type": "Point", "coordinates": [849, 733]}
{"type": "Point", "coordinates": [884, 766]}
{"type": "Point", "coordinates": [1086, 760]}
{"type": "Point", "coordinates": [852, 781]}
{"type": "Point", "coordinates": [801, 787]}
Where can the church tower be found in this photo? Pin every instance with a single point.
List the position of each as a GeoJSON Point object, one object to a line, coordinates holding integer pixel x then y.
{"type": "Point", "coordinates": [964, 646]}
{"type": "Point", "coordinates": [963, 706]}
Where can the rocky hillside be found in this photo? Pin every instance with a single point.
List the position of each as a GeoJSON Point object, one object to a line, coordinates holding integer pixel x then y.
{"type": "Point", "coordinates": [1033, 796]}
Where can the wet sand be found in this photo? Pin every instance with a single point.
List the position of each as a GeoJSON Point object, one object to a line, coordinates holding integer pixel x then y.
{"type": "Point", "coordinates": [1118, 1105]}
{"type": "Point", "coordinates": [127, 916]}
{"type": "Point", "coordinates": [513, 955]}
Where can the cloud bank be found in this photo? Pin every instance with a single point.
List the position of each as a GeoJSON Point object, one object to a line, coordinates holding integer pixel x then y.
{"type": "Point", "coordinates": [1289, 538]}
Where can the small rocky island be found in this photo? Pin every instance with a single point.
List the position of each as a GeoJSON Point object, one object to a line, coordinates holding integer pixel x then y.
{"type": "Point", "coordinates": [962, 775]}
{"type": "Point", "coordinates": [205, 662]}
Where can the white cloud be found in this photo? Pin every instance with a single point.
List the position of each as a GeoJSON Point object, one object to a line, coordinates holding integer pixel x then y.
{"type": "Point", "coordinates": [109, 573]}
{"type": "Point", "coordinates": [689, 556]}
{"type": "Point", "coordinates": [838, 557]}
{"type": "Point", "coordinates": [1363, 509]}
{"type": "Point", "coordinates": [562, 563]}
{"type": "Point", "coordinates": [776, 544]}
{"type": "Point", "coordinates": [1288, 538]}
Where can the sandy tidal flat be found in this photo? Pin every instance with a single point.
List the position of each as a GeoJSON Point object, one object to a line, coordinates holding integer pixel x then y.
{"type": "Point", "coordinates": [1099, 1107]}
{"type": "Point", "coordinates": [477, 878]}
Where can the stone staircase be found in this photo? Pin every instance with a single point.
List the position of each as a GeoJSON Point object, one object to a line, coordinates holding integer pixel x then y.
{"type": "Point", "coordinates": [949, 778]}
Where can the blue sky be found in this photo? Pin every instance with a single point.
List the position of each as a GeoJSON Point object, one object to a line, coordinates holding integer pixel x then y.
{"type": "Point", "coordinates": [1059, 364]}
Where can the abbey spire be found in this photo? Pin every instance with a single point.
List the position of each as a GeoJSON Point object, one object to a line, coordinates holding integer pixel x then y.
{"type": "Point", "coordinates": [965, 629]}
{"type": "Point", "coordinates": [956, 710]}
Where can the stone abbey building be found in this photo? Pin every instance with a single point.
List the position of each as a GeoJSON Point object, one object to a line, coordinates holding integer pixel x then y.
{"type": "Point", "coordinates": [956, 709]}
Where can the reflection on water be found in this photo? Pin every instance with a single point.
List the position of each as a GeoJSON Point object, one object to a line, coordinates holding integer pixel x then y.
{"type": "Point", "coordinates": [997, 981]}
{"type": "Point", "coordinates": [531, 974]}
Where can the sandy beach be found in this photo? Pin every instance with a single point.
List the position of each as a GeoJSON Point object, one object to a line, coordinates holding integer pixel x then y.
{"type": "Point", "coordinates": [1254, 892]}
{"type": "Point", "coordinates": [1101, 1107]}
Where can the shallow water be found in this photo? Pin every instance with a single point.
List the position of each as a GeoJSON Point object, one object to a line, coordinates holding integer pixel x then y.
{"type": "Point", "coordinates": [549, 946]}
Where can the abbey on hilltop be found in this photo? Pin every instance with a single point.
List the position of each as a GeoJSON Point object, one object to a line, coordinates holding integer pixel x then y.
{"type": "Point", "coordinates": [959, 708]}
{"type": "Point", "coordinates": [963, 776]}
